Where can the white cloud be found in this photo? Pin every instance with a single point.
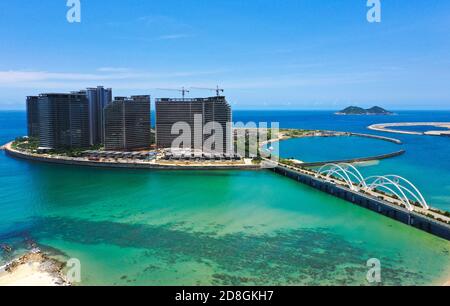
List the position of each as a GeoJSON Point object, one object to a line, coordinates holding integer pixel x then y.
{"type": "Point", "coordinates": [110, 76]}
{"type": "Point", "coordinates": [113, 69]}
{"type": "Point", "coordinates": [14, 77]}
{"type": "Point", "coordinates": [174, 36]}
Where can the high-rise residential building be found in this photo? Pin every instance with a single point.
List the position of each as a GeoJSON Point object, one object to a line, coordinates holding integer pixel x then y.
{"type": "Point", "coordinates": [127, 124]}
{"type": "Point", "coordinates": [63, 121]}
{"type": "Point", "coordinates": [98, 99]}
{"type": "Point", "coordinates": [213, 111]}
{"type": "Point", "coordinates": [33, 116]}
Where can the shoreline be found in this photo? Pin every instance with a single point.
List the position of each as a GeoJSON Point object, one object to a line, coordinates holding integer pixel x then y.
{"type": "Point", "coordinates": [444, 281]}
{"type": "Point", "coordinates": [324, 133]}
{"type": "Point", "coordinates": [62, 160]}
{"type": "Point", "coordinates": [163, 165]}
{"type": "Point", "coordinates": [37, 269]}
{"type": "Point", "coordinates": [386, 127]}
{"type": "Point", "coordinates": [33, 269]}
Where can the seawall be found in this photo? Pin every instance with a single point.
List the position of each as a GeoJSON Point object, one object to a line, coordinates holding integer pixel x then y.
{"type": "Point", "coordinates": [389, 139]}
{"type": "Point", "coordinates": [136, 165]}
{"type": "Point", "coordinates": [382, 207]}
{"type": "Point", "coordinates": [354, 160]}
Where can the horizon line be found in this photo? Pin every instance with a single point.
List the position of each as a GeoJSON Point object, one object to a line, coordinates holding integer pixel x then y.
{"type": "Point", "coordinates": [282, 109]}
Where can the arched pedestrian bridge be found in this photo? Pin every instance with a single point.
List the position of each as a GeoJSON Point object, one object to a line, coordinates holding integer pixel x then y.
{"type": "Point", "coordinates": [393, 186]}
{"type": "Point", "coordinates": [390, 195]}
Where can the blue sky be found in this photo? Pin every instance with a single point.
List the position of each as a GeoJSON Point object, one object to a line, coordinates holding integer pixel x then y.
{"type": "Point", "coordinates": [267, 54]}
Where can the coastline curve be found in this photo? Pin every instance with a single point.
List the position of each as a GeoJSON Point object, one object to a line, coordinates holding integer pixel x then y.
{"type": "Point", "coordinates": [10, 151]}
{"type": "Point", "coordinates": [106, 164]}
{"type": "Point", "coordinates": [388, 128]}
{"type": "Point", "coordinates": [347, 161]}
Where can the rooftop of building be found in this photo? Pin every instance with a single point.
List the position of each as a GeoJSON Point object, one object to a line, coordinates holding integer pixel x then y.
{"type": "Point", "coordinates": [98, 87]}
{"type": "Point", "coordinates": [209, 99]}
{"type": "Point", "coordinates": [71, 94]}
{"type": "Point", "coordinates": [132, 98]}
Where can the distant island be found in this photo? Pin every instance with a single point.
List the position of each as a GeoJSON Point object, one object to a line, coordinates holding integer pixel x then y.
{"type": "Point", "coordinates": [354, 110]}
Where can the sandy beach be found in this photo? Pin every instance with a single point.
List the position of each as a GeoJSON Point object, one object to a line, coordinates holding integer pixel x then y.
{"type": "Point", "coordinates": [33, 269]}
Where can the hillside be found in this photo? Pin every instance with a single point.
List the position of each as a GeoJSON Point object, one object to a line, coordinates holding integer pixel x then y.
{"type": "Point", "coordinates": [355, 110]}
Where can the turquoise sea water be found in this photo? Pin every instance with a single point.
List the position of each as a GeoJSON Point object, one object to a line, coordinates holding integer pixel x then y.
{"type": "Point", "coordinates": [224, 227]}
{"type": "Point", "coordinates": [318, 149]}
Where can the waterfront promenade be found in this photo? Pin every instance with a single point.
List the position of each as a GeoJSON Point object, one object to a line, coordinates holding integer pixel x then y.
{"type": "Point", "coordinates": [246, 164]}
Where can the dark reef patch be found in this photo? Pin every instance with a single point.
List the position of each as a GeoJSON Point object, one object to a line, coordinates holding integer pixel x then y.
{"type": "Point", "coordinates": [291, 257]}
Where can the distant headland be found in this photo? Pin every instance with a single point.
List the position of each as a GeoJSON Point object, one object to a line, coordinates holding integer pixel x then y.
{"type": "Point", "coordinates": [355, 110]}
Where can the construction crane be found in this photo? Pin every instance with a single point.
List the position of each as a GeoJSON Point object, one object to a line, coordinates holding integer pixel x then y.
{"type": "Point", "coordinates": [183, 90]}
{"type": "Point", "coordinates": [218, 90]}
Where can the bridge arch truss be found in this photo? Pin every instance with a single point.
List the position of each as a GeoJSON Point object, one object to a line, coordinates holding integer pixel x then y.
{"type": "Point", "coordinates": [403, 189]}
{"type": "Point", "coordinates": [346, 172]}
